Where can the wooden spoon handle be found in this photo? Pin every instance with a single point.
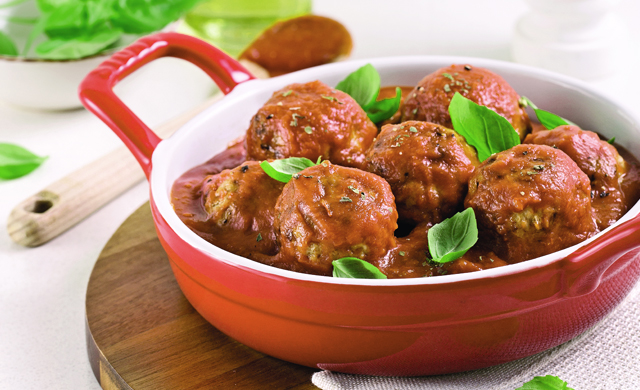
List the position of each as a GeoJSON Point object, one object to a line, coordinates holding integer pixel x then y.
{"type": "Point", "coordinates": [69, 200]}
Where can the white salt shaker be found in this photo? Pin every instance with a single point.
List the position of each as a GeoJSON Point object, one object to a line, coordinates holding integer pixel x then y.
{"type": "Point", "coordinates": [580, 38]}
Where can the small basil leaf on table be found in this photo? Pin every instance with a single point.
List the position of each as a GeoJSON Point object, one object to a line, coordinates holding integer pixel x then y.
{"type": "Point", "coordinates": [283, 170]}
{"type": "Point", "coordinates": [384, 109]}
{"type": "Point", "coordinates": [548, 382]}
{"type": "Point", "coordinates": [352, 267]}
{"type": "Point", "coordinates": [7, 47]}
{"type": "Point", "coordinates": [548, 119]}
{"type": "Point", "coordinates": [363, 85]}
{"type": "Point", "coordinates": [453, 237]}
{"type": "Point", "coordinates": [482, 128]}
{"type": "Point", "coordinates": [16, 161]}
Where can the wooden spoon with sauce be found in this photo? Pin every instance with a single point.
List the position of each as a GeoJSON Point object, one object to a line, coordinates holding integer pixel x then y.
{"type": "Point", "coordinates": [287, 46]}
{"type": "Point", "coordinates": [299, 43]}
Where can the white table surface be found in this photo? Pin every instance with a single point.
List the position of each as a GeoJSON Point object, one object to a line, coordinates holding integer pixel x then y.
{"type": "Point", "coordinates": [42, 290]}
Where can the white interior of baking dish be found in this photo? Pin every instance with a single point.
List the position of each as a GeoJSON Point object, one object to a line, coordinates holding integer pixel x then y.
{"type": "Point", "coordinates": [210, 132]}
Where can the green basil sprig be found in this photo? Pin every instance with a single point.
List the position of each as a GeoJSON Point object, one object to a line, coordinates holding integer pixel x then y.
{"type": "Point", "coordinates": [363, 86]}
{"type": "Point", "coordinates": [385, 108]}
{"type": "Point", "coordinates": [76, 29]}
{"type": "Point", "coordinates": [453, 237]}
{"type": "Point", "coordinates": [548, 382]}
{"type": "Point", "coordinates": [482, 128]}
{"type": "Point", "coordinates": [63, 48]}
{"type": "Point", "coordinates": [7, 47]}
{"type": "Point", "coordinates": [548, 119]}
{"type": "Point", "coordinates": [352, 267]}
{"type": "Point", "coordinates": [282, 170]}
{"type": "Point", "coordinates": [16, 161]}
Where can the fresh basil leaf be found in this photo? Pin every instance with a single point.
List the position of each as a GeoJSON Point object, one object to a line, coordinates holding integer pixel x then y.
{"type": "Point", "coordinates": [99, 12]}
{"type": "Point", "coordinates": [37, 29]}
{"type": "Point", "coordinates": [66, 21]}
{"type": "Point", "coordinates": [7, 47]}
{"type": "Point", "coordinates": [549, 120]}
{"type": "Point", "coordinates": [482, 128]}
{"type": "Point", "coordinates": [16, 161]}
{"type": "Point", "coordinates": [283, 170]}
{"type": "Point", "coordinates": [352, 267]}
{"type": "Point", "coordinates": [363, 85]}
{"type": "Point", "coordinates": [548, 382]}
{"type": "Point", "coordinates": [12, 3]}
{"type": "Point", "coordinates": [61, 49]}
{"type": "Point", "coordinates": [611, 141]}
{"type": "Point", "coordinates": [82, 28]}
{"type": "Point", "coordinates": [384, 109]}
{"type": "Point", "coordinates": [145, 16]}
{"type": "Point", "coordinates": [21, 20]}
{"type": "Point", "coordinates": [453, 237]}
{"type": "Point", "coordinates": [47, 6]}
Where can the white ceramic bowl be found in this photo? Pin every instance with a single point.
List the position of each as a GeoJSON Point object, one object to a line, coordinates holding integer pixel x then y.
{"type": "Point", "coordinates": [44, 84]}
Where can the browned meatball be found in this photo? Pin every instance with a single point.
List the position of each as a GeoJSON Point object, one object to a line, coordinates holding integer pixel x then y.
{"type": "Point", "coordinates": [239, 205]}
{"type": "Point", "coordinates": [328, 212]}
{"type": "Point", "coordinates": [310, 120]}
{"type": "Point", "coordinates": [599, 160]}
{"type": "Point", "coordinates": [429, 100]}
{"type": "Point", "coordinates": [529, 201]}
{"type": "Point", "coordinates": [428, 167]}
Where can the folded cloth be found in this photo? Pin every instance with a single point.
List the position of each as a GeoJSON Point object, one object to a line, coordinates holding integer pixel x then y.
{"type": "Point", "coordinates": [607, 357]}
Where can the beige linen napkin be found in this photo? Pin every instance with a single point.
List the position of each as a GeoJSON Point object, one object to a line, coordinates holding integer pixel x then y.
{"type": "Point", "coordinates": [606, 357]}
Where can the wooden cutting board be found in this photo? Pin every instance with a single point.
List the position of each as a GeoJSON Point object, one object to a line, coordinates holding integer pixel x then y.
{"type": "Point", "coordinates": [142, 333]}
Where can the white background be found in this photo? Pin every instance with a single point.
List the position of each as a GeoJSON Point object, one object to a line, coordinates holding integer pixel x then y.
{"type": "Point", "coordinates": [42, 290]}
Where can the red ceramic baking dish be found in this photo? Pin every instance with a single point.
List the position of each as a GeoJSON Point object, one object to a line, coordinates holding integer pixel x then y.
{"type": "Point", "coordinates": [418, 326]}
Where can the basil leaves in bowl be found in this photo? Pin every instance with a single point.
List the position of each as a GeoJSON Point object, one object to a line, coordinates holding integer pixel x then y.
{"type": "Point", "coordinates": [48, 46]}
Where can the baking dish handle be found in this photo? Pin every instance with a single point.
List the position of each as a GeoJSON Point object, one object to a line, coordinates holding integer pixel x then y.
{"type": "Point", "coordinates": [584, 268]}
{"type": "Point", "coordinates": [96, 90]}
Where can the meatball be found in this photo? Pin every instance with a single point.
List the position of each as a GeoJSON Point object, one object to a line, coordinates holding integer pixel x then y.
{"type": "Point", "coordinates": [599, 160]}
{"type": "Point", "coordinates": [428, 167]}
{"type": "Point", "coordinates": [429, 100]}
{"type": "Point", "coordinates": [328, 212]}
{"type": "Point", "coordinates": [529, 201]}
{"type": "Point", "coordinates": [239, 205]}
{"type": "Point", "coordinates": [310, 120]}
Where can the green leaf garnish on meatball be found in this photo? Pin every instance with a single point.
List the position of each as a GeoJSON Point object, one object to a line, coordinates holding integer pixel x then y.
{"type": "Point", "coordinates": [453, 237]}
{"type": "Point", "coordinates": [283, 170]}
{"type": "Point", "coordinates": [482, 128]}
{"type": "Point", "coordinates": [363, 86]}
